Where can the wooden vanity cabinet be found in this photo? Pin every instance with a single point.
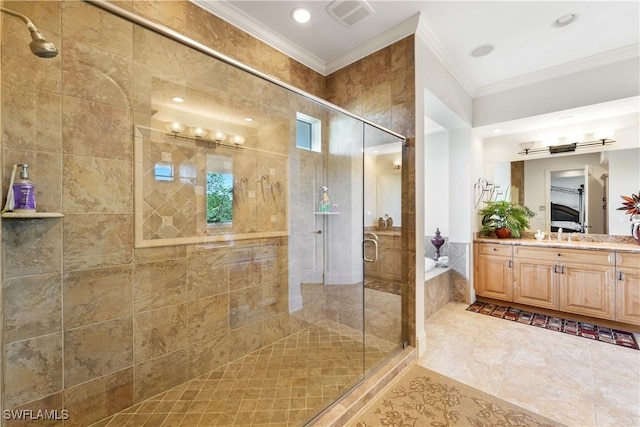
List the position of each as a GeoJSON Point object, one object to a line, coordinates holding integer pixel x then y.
{"type": "Point", "coordinates": [535, 281]}
{"type": "Point", "coordinates": [494, 271]}
{"type": "Point", "coordinates": [628, 288]}
{"type": "Point", "coordinates": [597, 283]}
{"type": "Point", "coordinates": [586, 283]}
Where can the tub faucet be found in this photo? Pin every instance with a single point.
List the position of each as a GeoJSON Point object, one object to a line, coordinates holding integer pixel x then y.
{"type": "Point", "coordinates": [560, 234]}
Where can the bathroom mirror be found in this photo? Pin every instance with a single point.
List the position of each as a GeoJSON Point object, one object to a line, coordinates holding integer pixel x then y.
{"type": "Point", "coordinates": [189, 190]}
{"type": "Point", "coordinates": [384, 181]}
{"type": "Point", "coordinates": [608, 173]}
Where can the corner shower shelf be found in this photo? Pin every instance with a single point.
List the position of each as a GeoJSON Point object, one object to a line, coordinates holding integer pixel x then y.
{"type": "Point", "coordinates": [327, 213]}
{"type": "Point", "coordinates": [30, 215]}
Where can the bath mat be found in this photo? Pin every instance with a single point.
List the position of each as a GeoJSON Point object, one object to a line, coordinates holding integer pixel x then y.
{"type": "Point", "coordinates": [421, 397]}
{"type": "Point", "coordinates": [581, 329]}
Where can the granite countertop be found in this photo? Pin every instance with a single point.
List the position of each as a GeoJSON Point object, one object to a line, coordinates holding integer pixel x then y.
{"type": "Point", "coordinates": [575, 244]}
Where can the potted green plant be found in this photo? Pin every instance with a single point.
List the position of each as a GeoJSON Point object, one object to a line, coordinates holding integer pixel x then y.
{"type": "Point", "coordinates": [505, 218]}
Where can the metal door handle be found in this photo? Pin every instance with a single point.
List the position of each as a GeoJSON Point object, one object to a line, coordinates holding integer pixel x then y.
{"type": "Point", "coordinates": [375, 253]}
{"type": "Point", "coordinates": [620, 275]}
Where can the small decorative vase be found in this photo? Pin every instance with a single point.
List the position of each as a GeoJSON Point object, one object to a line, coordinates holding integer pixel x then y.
{"type": "Point", "coordinates": [503, 233]}
{"type": "Point", "coordinates": [437, 241]}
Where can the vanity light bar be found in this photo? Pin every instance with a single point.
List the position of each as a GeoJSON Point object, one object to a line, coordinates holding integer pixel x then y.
{"type": "Point", "coordinates": [236, 146]}
{"type": "Point", "coordinates": [566, 148]}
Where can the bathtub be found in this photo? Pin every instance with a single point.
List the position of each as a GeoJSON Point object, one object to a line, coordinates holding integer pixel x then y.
{"type": "Point", "coordinates": [429, 264]}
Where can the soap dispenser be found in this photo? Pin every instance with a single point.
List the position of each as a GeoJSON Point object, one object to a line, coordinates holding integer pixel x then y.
{"type": "Point", "coordinates": [24, 192]}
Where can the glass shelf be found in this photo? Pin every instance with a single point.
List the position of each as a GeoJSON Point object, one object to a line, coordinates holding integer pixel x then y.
{"type": "Point", "coordinates": [327, 213]}
{"type": "Point", "coordinates": [28, 215]}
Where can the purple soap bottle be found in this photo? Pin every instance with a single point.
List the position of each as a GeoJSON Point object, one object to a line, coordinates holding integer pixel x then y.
{"type": "Point", "coordinates": [24, 192]}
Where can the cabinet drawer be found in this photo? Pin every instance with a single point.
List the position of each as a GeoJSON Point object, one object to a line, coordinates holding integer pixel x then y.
{"type": "Point", "coordinates": [562, 255]}
{"type": "Point", "coordinates": [497, 250]}
{"type": "Point", "coordinates": [628, 260]}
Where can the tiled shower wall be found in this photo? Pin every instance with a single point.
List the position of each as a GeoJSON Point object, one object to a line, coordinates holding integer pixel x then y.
{"type": "Point", "coordinates": [88, 318]}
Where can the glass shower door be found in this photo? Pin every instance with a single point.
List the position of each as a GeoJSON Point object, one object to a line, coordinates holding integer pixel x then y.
{"type": "Point", "coordinates": [382, 237]}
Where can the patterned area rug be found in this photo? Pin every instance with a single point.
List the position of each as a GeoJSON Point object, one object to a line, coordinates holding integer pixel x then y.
{"type": "Point", "coordinates": [421, 398]}
{"type": "Point", "coordinates": [581, 329]}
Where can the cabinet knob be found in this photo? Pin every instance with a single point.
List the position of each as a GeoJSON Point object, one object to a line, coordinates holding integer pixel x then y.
{"type": "Point", "coordinates": [559, 254]}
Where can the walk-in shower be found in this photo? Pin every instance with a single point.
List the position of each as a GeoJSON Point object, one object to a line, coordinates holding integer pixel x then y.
{"type": "Point", "coordinates": [197, 274]}
{"type": "Point", "coordinates": [39, 46]}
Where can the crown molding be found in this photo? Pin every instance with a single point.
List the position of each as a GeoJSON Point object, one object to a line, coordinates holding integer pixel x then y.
{"type": "Point", "coordinates": [613, 56]}
{"type": "Point", "coordinates": [433, 43]}
{"type": "Point", "coordinates": [392, 35]}
{"type": "Point", "coordinates": [251, 26]}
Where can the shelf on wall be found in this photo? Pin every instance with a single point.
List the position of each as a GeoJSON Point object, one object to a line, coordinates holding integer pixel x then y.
{"type": "Point", "coordinates": [28, 215]}
{"type": "Point", "coordinates": [327, 213]}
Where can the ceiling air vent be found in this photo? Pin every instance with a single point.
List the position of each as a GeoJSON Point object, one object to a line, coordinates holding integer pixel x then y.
{"type": "Point", "coordinates": [349, 12]}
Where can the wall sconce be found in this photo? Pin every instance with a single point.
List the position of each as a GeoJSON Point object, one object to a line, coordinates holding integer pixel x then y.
{"type": "Point", "coordinates": [219, 137]}
{"type": "Point", "coordinates": [238, 140]}
{"type": "Point", "coordinates": [397, 164]}
{"type": "Point", "coordinates": [176, 127]}
{"type": "Point", "coordinates": [198, 132]}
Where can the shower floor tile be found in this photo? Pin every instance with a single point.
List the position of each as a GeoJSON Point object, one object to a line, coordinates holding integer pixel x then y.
{"type": "Point", "coordinates": [284, 384]}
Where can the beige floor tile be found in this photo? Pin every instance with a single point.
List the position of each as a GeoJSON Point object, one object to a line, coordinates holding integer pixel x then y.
{"type": "Point", "coordinates": [573, 380]}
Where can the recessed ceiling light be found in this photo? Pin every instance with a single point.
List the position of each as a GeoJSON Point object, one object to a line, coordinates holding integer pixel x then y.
{"type": "Point", "coordinates": [248, 119]}
{"type": "Point", "coordinates": [177, 99]}
{"type": "Point", "coordinates": [497, 130]}
{"type": "Point", "coordinates": [301, 16]}
{"type": "Point", "coordinates": [483, 50]}
{"type": "Point", "coordinates": [565, 20]}
{"type": "Point", "coordinates": [566, 118]}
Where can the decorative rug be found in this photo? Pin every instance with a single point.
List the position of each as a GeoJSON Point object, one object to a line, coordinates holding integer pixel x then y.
{"type": "Point", "coordinates": [421, 398]}
{"type": "Point", "coordinates": [558, 324]}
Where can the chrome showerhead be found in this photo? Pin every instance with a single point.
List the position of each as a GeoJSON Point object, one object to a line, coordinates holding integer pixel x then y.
{"type": "Point", "coordinates": [39, 46]}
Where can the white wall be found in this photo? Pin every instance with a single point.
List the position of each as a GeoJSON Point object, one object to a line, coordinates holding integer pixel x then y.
{"type": "Point", "coordinates": [626, 182]}
{"type": "Point", "coordinates": [460, 187]}
{"type": "Point", "coordinates": [606, 83]}
{"type": "Point", "coordinates": [435, 88]}
{"type": "Point", "coordinates": [436, 178]}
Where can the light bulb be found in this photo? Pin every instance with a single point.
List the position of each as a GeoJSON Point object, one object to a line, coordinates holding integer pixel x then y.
{"type": "Point", "coordinates": [198, 132]}
{"type": "Point", "coordinates": [219, 136]}
{"type": "Point", "coordinates": [176, 127]}
{"type": "Point", "coordinates": [300, 15]}
{"type": "Point", "coordinates": [238, 140]}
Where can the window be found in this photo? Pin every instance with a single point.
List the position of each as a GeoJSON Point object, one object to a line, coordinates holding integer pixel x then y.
{"type": "Point", "coordinates": [308, 133]}
{"type": "Point", "coordinates": [219, 190]}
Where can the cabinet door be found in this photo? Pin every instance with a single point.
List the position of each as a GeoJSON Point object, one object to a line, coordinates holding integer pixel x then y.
{"type": "Point", "coordinates": [495, 277]}
{"type": "Point", "coordinates": [628, 295]}
{"type": "Point", "coordinates": [587, 289]}
{"type": "Point", "coordinates": [534, 283]}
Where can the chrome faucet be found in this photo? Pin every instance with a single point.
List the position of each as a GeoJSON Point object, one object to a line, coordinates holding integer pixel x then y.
{"type": "Point", "coordinates": [560, 234]}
